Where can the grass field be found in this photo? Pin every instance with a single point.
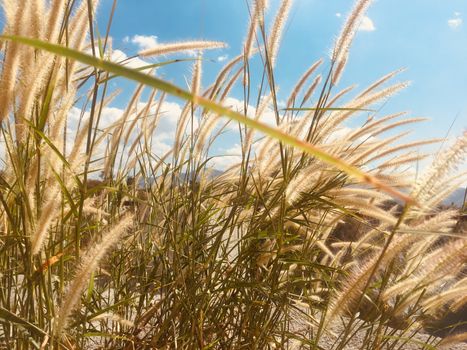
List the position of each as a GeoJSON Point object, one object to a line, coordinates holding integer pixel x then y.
{"type": "Point", "coordinates": [320, 231]}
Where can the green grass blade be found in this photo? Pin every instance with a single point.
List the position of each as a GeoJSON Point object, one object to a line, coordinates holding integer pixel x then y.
{"type": "Point", "coordinates": [150, 66]}
{"type": "Point", "coordinates": [8, 316]}
{"type": "Point", "coordinates": [172, 89]}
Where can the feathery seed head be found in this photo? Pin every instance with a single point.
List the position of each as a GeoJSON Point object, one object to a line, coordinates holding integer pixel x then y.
{"type": "Point", "coordinates": [89, 262]}
{"type": "Point", "coordinates": [184, 46]}
{"type": "Point", "coordinates": [275, 34]}
{"type": "Point", "coordinates": [349, 29]}
{"type": "Point", "coordinates": [255, 19]}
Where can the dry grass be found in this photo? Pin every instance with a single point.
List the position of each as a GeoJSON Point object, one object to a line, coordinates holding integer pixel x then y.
{"type": "Point", "coordinates": [249, 259]}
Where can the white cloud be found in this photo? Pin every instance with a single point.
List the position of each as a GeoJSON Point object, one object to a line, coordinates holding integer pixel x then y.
{"type": "Point", "coordinates": [339, 134]}
{"type": "Point", "coordinates": [170, 114]}
{"type": "Point", "coordinates": [338, 14]}
{"type": "Point", "coordinates": [268, 116]}
{"type": "Point", "coordinates": [126, 39]}
{"type": "Point", "coordinates": [163, 136]}
{"type": "Point", "coordinates": [455, 22]}
{"type": "Point", "coordinates": [222, 58]}
{"type": "Point", "coordinates": [367, 25]}
{"type": "Point", "coordinates": [144, 42]}
{"type": "Point", "coordinates": [227, 157]}
{"type": "Point", "coordinates": [121, 57]}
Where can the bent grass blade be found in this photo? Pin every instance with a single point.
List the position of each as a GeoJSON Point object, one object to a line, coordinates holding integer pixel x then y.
{"type": "Point", "coordinates": [135, 75]}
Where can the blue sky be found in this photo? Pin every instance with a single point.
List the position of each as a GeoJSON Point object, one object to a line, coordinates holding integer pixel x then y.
{"type": "Point", "coordinates": [428, 37]}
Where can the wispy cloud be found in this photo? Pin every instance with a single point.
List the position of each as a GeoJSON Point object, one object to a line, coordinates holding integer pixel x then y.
{"type": "Point", "coordinates": [227, 157]}
{"type": "Point", "coordinates": [338, 14]}
{"type": "Point", "coordinates": [456, 21]}
{"type": "Point", "coordinates": [143, 42]}
{"type": "Point", "coordinates": [121, 57]}
{"type": "Point", "coordinates": [222, 58]}
{"type": "Point", "coordinates": [162, 137]}
{"type": "Point", "coordinates": [133, 62]}
{"type": "Point", "coordinates": [367, 25]}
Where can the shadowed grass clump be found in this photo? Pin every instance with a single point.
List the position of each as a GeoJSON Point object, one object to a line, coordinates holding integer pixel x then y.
{"type": "Point", "coordinates": [164, 251]}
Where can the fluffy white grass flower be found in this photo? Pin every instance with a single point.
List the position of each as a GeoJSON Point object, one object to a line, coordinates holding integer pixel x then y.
{"type": "Point", "coordinates": [443, 164]}
{"type": "Point", "coordinates": [89, 262]}
{"type": "Point", "coordinates": [277, 29]}
{"type": "Point", "coordinates": [353, 287]}
{"type": "Point", "coordinates": [255, 18]}
{"type": "Point", "coordinates": [339, 70]}
{"type": "Point", "coordinates": [344, 41]}
{"type": "Point", "coordinates": [452, 339]}
{"type": "Point", "coordinates": [183, 46]}
{"type": "Point", "coordinates": [341, 49]}
{"type": "Point", "coordinates": [48, 214]}
{"type": "Point", "coordinates": [302, 81]}
{"type": "Point", "coordinates": [309, 92]}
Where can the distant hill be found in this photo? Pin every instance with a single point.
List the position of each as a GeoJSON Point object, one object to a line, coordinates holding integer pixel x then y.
{"type": "Point", "coordinates": [456, 198]}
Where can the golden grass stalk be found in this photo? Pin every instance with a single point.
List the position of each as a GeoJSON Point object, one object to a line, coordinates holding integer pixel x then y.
{"type": "Point", "coordinates": [37, 16]}
{"type": "Point", "coordinates": [230, 85]}
{"type": "Point", "coordinates": [435, 268]}
{"type": "Point", "coordinates": [365, 208]}
{"type": "Point", "coordinates": [443, 190]}
{"type": "Point", "coordinates": [397, 124]}
{"type": "Point", "coordinates": [339, 70]}
{"type": "Point", "coordinates": [359, 193]}
{"type": "Point", "coordinates": [79, 30]}
{"type": "Point", "coordinates": [302, 82]}
{"type": "Point", "coordinates": [401, 160]}
{"type": "Point", "coordinates": [459, 303]}
{"type": "Point", "coordinates": [9, 8]}
{"type": "Point", "coordinates": [89, 262]}
{"type": "Point", "coordinates": [196, 78]}
{"type": "Point", "coordinates": [341, 93]}
{"type": "Point", "coordinates": [348, 31]}
{"type": "Point", "coordinates": [264, 103]}
{"type": "Point", "coordinates": [367, 100]}
{"type": "Point", "coordinates": [309, 92]}
{"type": "Point", "coordinates": [183, 46]}
{"type": "Point", "coordinates": [170, 88]}
{"type": "Point", "coordinates": [379, 82]}
{"type": "Point", "coordinates": [48, 214]}
{"type": "Point", "coordinates": [452, 340]}
{"type": "Point", "coordinates": [361, 103]}
{"type": "Point", "coordinates": [255, 18]}
{"type": "Point", "coordinates": [434, 303]}
{"type": "Point", "coordinates": [370, 126]}
{"type": "Point", "coordinates": [145, 128]}
{"type": "Point", "coordinates": [401, 287]}
{"type": "Point", "coordinates": [119, 129]}
{"type": "Point", "coordinates": [353, 287]}
{"type": "Point", "coordinates": [222, 74]}
{"type": "Point", "coordinates": [55, 15]}
{"type": "Point", "coordinates": [275, 34]}
{"type": "Point", "coordinates": [206, 128]}
{"type": "Point", "coordinates": [302, 182]}
{"type": "Point", "coordinates": [12, 60]}
{"type": "Point", "coordinates": [442, 222]}
{"type": "Point", "coordinates": [442, 165]}
{"type": "Point", "coordinates": [189, 108]}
